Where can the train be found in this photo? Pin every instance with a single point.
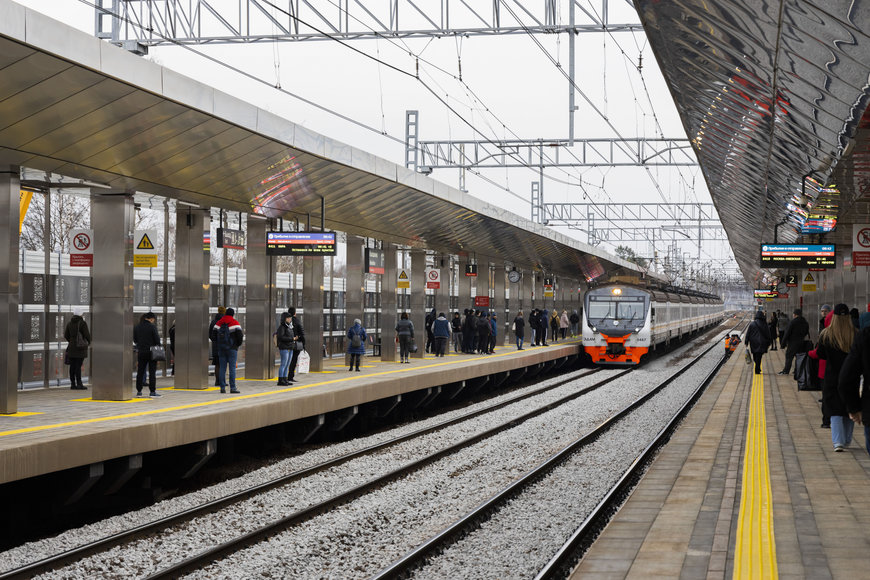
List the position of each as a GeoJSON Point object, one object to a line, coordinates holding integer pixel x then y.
{"type": "Point", "coordinates": [622, 323]}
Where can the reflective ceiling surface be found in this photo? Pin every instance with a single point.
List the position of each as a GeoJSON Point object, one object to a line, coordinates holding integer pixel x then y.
{"type": "Point", "coordinates": [768, 92]}
{"type": "Point", "coordinates": [73, 105]}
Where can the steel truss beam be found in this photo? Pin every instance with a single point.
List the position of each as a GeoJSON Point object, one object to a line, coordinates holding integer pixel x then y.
{"type": "Point", "coordinates": [693, 213]}
{"type": "Point", "coordinates": [652, 234]}
{"type": "Point", "coordinates": [555, 153]}
{"type": "Point", "coordinates": [156, 22]}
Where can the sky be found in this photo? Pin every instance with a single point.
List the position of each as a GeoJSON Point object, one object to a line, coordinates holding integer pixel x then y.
{"type": "Point", "coordinates": [511, 87]}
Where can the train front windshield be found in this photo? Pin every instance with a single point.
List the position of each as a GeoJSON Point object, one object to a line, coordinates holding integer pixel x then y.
{"type": "Point", "coordinates": [616, 313]}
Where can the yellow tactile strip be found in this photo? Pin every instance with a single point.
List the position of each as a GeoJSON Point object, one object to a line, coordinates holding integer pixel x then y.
{"type": "Point", "coordinates": [755, 552]}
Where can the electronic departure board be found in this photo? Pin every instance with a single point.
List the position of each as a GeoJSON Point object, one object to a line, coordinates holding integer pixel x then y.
{"type": "Point", "coordinates": [798, 256]}
{"type": "Point", "coordinates": [766, 293]}
{"type": "Point", "coordinates": [300, 243]}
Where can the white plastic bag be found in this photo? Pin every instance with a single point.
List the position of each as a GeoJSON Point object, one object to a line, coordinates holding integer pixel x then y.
{"type": "Point", "coordinates": [303, 363]}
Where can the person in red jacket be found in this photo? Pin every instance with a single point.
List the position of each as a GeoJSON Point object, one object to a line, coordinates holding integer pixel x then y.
{"type": "Point", "coordinates": [227, 334]}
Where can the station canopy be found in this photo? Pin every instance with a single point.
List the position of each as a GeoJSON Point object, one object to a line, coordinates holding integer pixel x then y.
{"type": "Point", "coordinates": [73, 105]}
{"type": "Point", "coordinates": [773, 96]}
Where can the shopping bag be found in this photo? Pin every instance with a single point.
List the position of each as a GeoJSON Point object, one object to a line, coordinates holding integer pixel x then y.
{"type": "Point", "coordinates": [748, 357]}
{"type": "Point", "coordinates": [304, 362]}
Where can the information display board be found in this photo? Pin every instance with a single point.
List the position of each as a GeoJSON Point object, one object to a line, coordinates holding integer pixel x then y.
{"type": "Point", "coordinates": [766, 293]}
{"type": "Point", "coordinates": [230, 239]}
{"type": "Point", "coordinates": [300, 243]}
{"type": "Point", "coordinates": [374, 263]}
{"type": "Point", "coordinates": [798, 256]}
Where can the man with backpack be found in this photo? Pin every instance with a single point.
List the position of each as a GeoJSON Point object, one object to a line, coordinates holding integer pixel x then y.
{"type": "Point", "coordinates": [227, 335]}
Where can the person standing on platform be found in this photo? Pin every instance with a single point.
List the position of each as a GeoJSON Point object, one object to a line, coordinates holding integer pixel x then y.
{"type": "Point", "coordinates": [793, 338]}
{"type": "Point", "coordinates": [215, 355]}
{"type": "Point", "coordinates": [405, 334]}
{"type": "Point", "coordinates": [430, 337]}
{"type": "Point", "coordinates": [554, 326]}
{"type": "Point", "coordinates": [543, 324]}
{"type": "Point", "coordinates": [456, 329]}
{"type": "Point", "coordinates": [145, 336]}
{"type": "Point", "coordinates": [782, 322]}
{"type": "Point", "coordinates": [774, 327]}
{"type": "Point", "coordinates": [856, 365]}
{"type": "Point", "coordinates": [441, 332]}
{"type": "Point", "coordinates": [469, 331]}
{"type": "Point", "coordinates": [493, 335]}
{"type": "Point", "coordinates": [564, 324]}
{"type": "Point", "coordinates": [298, 334]}
{"type": "Point", "coordinates": [758, 339]}
{"type": "Point", "coordinates": [172, 347]}
{"type": "Point", "coordinates": [519, 329]}
{"type": "Point", "coordinates": [483, 332]}
{"type": "Point", "coordinates": [286, 343]}
{"type": "Point", "coordinates": [575, 323]}
{"type": "Point", "coordinates": [228, 335]}
{"type": "Point", "coordinates": [824, 311]}
{"type": "Point", "coordinates": [78, 338]}
{"type": "Point", "coordinates": [835, 343]}
{"type": "Point", "coordinates": [356, 343]}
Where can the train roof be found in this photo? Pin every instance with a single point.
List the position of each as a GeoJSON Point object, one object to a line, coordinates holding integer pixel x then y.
{"type": "Point", "coordinates": [662, 288]}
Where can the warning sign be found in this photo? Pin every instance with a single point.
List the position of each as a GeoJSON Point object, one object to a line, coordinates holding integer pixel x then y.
{"type": "Point", "coordinates": [860, 244]}
{"type": "Point", "coordinates": [404, 280]}
{"type": "Point", "coordinates": [809, 283]}
{"type": "Point", "coordinates": [144, 249]}
{"type": "Point", "coordinates": [81, 248]}
{"type": "Point", "coordinates": [433, 279]}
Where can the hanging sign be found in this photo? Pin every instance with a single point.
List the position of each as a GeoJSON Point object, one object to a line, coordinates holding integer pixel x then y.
{"type": "Point", "coordinates": [81, 245]}
{"type": "Point", "coordinates": [809, 283]}
{"type": "Point", "coordinates": [433, 279]}
{"type": "Point", "coordinates": [145, 249]}
{"type": "Point", "coordinates": [481, 301]}
{"type": "Point", "coordinates": [471, 270]}
{"type": "Point", "coordinates": [404, 279]}
{"type": "Point", "coordinates": [791, 281]}
{"type": "Point", "coordinates": [860, 244]}
{"type": "Point", "coordinates": [374, 261]}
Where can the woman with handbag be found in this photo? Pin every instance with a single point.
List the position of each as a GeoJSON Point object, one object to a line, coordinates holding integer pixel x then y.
{"type": "Point", "coordinates": [78, 338]}
{"type": "Point", "coordinates": [145, 336]}
{"type": "Point", "coordinates": [286, 346]}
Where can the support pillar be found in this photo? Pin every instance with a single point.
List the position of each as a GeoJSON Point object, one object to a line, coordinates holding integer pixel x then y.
{"type": "Point", "coordinates": [112, 314]}
{"type": "Point", "coordinates": [312, 302]}
{"type": "Point", "coordinates": [464, 287]}
{"type": "Point", "coordinates": [483, 281]}
{"type": "Point", "coordinates": [260, 318]}
{"type": "Point", "coordinates": [191, 299]}
{"type": "Point", "coordinates": [355, 282]}
{"type": "Point", "coordinates": [498, 306]}
{"type": "Point", "coordinates": [388, 304]}
{"type": "Point", "coordinates": [9, 279]}
{"type": "Point", "coordinates": [418, 300]}
{"type": "Point", "coordinates": [526, 284]}
{"type": "Point", "coordinates": [442, 295]}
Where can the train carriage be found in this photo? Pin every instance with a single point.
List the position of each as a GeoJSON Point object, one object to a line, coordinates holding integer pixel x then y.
{"type": "Point", "coordinates": [621, 323]}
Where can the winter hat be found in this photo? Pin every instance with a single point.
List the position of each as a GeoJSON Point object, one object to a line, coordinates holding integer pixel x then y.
{"type": "Point", "coordinates": [230, 311]}
{"type": "Point", "coordinates": [78, 311]}
{"type": "Point", "coordinates": [841, 310]}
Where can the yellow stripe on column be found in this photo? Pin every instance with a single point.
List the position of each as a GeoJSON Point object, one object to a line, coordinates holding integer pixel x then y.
{"type": "Point", "coordinates": [755, 553]}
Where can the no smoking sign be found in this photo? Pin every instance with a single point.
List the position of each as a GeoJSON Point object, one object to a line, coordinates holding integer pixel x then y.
{"type": "Point", "coordinates": [81, 248]}
{"type": "Point", "coordinates": [433, 279]}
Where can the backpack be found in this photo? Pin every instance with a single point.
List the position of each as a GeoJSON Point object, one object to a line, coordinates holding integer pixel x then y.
{"type": "Point", "coordinates": [224, 340]}
{"type": "Point", "coordinates": [356, 341]}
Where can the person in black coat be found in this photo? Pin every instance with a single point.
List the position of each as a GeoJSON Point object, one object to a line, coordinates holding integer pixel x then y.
{"type": "Point", "coordinates": [793, 339]}
{"type": "Point", "coordinates": [145, 336]}
{"type": "Point", "coordinates": [758, 339]}
{"type": "Point", "coordinates": [215, 351]}
{"type": "Point", "coordinates": [519, 329]}
{"type": "Point", "coordinates": [483, 332]}
{"type": "Point", "coordinates": [856, 365]}
{"type": "Point", "coordinates": [298, 334]}
{"type": "Point", "coordinates": [76, 353]}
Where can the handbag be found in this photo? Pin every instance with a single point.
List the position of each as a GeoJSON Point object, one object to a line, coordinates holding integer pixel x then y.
{"type": "Point", "coordinates": [158, 353]}
{"type": "Point", "coordinates": [66, 357]}
{"type": "Point", "coordinates": [80, 339]}
{"type": "Point", "coordinates": [297, 345]}
{"type": "Point", "coordinates": [748, 357]}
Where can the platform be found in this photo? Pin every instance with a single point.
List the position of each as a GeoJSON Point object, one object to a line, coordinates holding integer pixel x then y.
{"type": "Point", "coordinates": [682, 519]}
{"type": "Point", "coordinates": [59, 428]}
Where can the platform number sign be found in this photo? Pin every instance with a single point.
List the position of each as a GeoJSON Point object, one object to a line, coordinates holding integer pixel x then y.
{"type": "Point", "coordinates": [791, 281]}
{"type": "Point", "coordinates": [81, 248]}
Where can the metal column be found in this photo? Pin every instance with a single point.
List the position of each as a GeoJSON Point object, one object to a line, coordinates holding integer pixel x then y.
{"type": "Point", "coordinates": [527, 282]}
{"type": "Point", "coordinates": [9, 280]}
{"type": "Point", "coordinates": [464, 300]}
{"type": "Point", "coordinates": [260, 318]}
{"type": "Point", "coordinates": [483, 281]}
{"type": "Point", "coordinates": [388, 304]}
{"type": "Point", "coordinates": [354, 282]}
{"type": "Point", "coordinates": [312, 303]}
{"type": "Point", "coordinates": [418, 300]}
{"type": "Point", "coordinates": [442, 295]}
{"type": "Point", "coordinates": [191, 298]}
{"type": "Point", "coordinates": [112, 316]}
{"type": "Point", "coordinates": [498, 306]}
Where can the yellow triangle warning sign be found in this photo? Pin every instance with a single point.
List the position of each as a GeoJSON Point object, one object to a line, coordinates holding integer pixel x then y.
{"type": "Point", "coordinates": [145, 243]}
{"type": "Point", "coordinates": [809, 278]}
{"type": "Point", "coordinates": [403, 275]}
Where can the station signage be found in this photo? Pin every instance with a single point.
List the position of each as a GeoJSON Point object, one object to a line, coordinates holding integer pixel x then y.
{"type": "Point", "coordinates": [230, 239]}
{"type": "Point", "coordinates": [791, 281]}
{"type": "Point", "coordinates": [481, 301]}
{"type": "Point", "coordinates": [765, 293]}
{"type": "Point", "coordinates": [861, 245]}
{"type": "Point", "coordinates": [471, 269]}
{"type": "Point", "coordinates": [374, 261]}
{"type": "Point", "coordinates": [81, 245]}
{"type": "Point", "coordinates": [433, 279]}
{"type": "Point", "coordinates": [798, 256]}
{"type": "Point", "coordinates": [403, 279]}
{"type": "Point", "coordinates": [145, 249]}
{"type": "Point", "coordinates": [300, 243]}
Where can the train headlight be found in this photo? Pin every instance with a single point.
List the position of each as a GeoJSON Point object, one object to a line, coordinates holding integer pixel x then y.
{"type": "Point", "coordinates": [637, 329]}
{"type": "Point", "coordinates": [594, 329]}
{"type": "Point", "coordinates": [616, 291]}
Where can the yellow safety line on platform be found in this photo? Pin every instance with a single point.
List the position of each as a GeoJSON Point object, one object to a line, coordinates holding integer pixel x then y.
{"type": "Point", "coordinates": [755, 553]}
{"type": "Point", "coordinates": [225, 400]}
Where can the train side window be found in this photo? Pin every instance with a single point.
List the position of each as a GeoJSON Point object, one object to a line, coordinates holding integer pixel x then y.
{"type": "Point", "coordinates": [653, 312]}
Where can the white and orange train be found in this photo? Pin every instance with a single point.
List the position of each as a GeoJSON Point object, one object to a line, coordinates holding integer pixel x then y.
{"type": "Point", "coordinates": [622, 323]}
